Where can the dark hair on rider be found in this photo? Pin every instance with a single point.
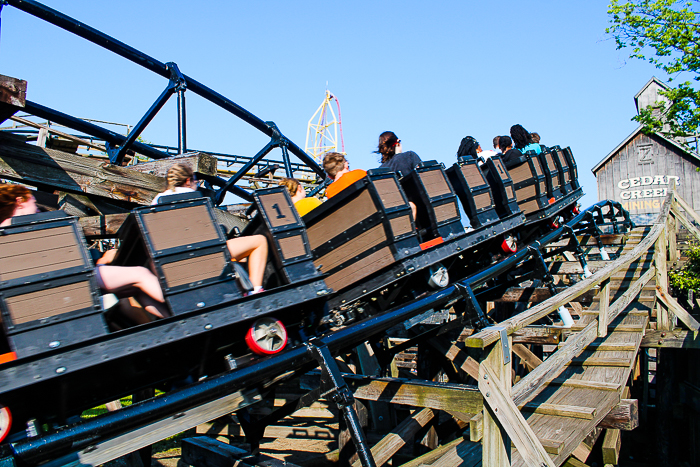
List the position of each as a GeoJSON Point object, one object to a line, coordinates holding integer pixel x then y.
{"type": "Point", "coordinates": [504, 142]}
{"type": "Point", "coordinates": [467, 148]}
{"type": "Point", "coordinates": [521, 137]}
{"type": "Point", "coordinates": [387, 145]}
{"type": "Point", "coordinates": [495, 141]}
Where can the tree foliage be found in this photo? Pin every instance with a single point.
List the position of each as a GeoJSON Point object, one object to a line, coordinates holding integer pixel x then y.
{"type": "Point", "coordinates": [688, 278]}
{"type": "Point", "coordinates": [666, 33]}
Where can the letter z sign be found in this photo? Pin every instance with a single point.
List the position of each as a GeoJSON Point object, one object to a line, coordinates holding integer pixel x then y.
{"type": "Point", "coordinates": [644, 154]}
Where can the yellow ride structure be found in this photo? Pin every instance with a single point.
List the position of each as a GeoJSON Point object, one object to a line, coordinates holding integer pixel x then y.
{"type": "Point", "coordinates": [323, 129]}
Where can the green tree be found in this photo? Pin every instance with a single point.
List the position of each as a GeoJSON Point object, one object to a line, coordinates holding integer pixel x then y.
{"type": "Point", "coordinates": [688, 278]}
{"type": "Point", "coordinates": [666, 33]}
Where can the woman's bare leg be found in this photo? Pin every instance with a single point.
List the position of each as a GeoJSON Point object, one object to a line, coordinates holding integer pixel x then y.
{"type": "Point", "coordinates": [137, 281]}
{"type": "Point", "coordinates": [253, 247]}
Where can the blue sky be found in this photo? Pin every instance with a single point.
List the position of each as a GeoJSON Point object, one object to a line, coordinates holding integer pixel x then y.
{"type": "Point", "coordinates": [431, 72]}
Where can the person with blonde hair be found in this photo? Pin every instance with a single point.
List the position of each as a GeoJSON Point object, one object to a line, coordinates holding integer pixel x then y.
{"type": "Point", "coordinates": [302, 203]}
{"type": "Point", "coordinates": [181, 179]}
{"type": "Point", "coordinates": [123, 281]}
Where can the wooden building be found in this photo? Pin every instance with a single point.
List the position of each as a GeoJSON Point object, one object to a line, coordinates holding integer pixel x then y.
{"type": "Point", "coordinates": [640, 170]}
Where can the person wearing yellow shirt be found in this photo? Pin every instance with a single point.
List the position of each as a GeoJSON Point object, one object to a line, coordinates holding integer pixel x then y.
{"type": "Point", "coordinates": [302, 203]}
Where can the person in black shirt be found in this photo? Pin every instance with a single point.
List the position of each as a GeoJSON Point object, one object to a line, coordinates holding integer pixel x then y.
{"type": "Point", "coordinates": [393, 156]}
{"type": "Point", "coordinates": [511, 156]}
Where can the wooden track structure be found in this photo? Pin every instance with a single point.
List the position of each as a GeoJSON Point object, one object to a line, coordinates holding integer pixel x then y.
{"type": "Point", "coordinates": [546, 416]}
{"type": "Point", "coordinates": [555, 413]}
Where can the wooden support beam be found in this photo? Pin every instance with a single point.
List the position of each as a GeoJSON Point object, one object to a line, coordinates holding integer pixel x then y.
{"type": "Point", "coordinates": [676, 339]}
{"type": "Point", "coordinates": [528, 358]}
{"type": "Point", "coordinates": [398, 437]}
{"type": "Point", "coordinates": [624, 416]}
{"type": "Point", "coordinates": [573, 462]}
{"type": "Point", "coordinates": [203, 451]}
{"type": "Point", "coordinates": [541, 335]}
{"type": "Point", "coordinates": [611, 446]}
{"type": "Point", "coordinates": [551, 446]}
{"type": "Point", "coordinates": [613, 327]}
{"type": "Point", "coordinates": [430, 457]}
{"type": "Point", "coordinates": [672, 305]}
{"type": "Point", "coordinates": [510, 419]}
{"type": "Point", "coordinates": [13, 96]}
{"type": "Point", "coordinates": [686, 207]}
{"type": "Point", "coordinates": [62, 171]}
{"type": "Point", "coordinates": [146, 435]}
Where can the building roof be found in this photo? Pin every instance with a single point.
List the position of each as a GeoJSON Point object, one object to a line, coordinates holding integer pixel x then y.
{"type": "Point", "coordinates": [632, 136]}
{"type": "Point", "coordinates": [651, 81]}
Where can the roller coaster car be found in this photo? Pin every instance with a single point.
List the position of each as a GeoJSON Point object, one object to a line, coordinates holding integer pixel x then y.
{"type": "Point", "coordinates": [361, 230]}
{"type": "Point", "coordinates": [188, 252]}
{"type": "Point", "coordinates": [291, 258]}
{"type": "Point", "coordinates": [48, 294]}
{"type": "Point", "coordinates": [552, 175]}
{"type": "Point", "coordinates": [61, 340]}
{"type": "Point", "coordinates": [436, 203]}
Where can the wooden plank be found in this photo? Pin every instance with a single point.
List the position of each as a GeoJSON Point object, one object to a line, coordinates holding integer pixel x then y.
{"type": "Point", "coordinates": [203, 451]}
{"type": "Point", "coordinates": [600, 361]}
{"type": "Point", "coordinates": [512, 421]}
{"type": "Point", "coordinates": [663, 320]}
{"type": "Point", "coordinates": [528, 358]}
{"type": "Point", "coordinates": [536, 295]}
{"type": "Point", "coordinates": [573, 462]}
{"type": "Point", "coordinates": [611, 446]}
{"type": "Point", "coordinates": [200, 163]}
{"type": "Point", "coordinates": [418, 393]}
{"type": "Point", "coordinates": [75, 174]}
{"type": "Point", "coordinates": [102, 226]}
{"type": "Point", "coordinates": [554, 365]}
{"type": "Point", "coordinates": [489, 336]}
{"type": "Point", "coordinates": [476, 427]}
{"type": "Point", "coordinates": [586, 384]}
{"type": "Point", "coordinates": [551, 446]}
{"type": "Point", "coordinates": [583, 450]}
{"type": "Point", "coordinates": [430, 457]}
{"type": "Point", "coordinates": [603, 307]}
{"type": "Point", "coordinates": [614, 327]}
{"type": "Point", "coordinates": [75, 139]}
{"type": "Point", "coordinates": [680, 312]}
{"type": "Point", "coordinates": [624, 416]}
{"type": "Point", "coordinates": [13, 91]}
{"type": "Point", "coordinates": [676, 339]}
{"type": "Point", "coordinates": [686, 207]}
{"type": "Point", "coordinates": [100, 453]}
{"type": "Point", "coordinates": [560, 410]}
{"type": "Point", "coordinates": [542, 335]}
{"type": "Point", "coordinates": [398, 437]}
{"type": "Point", "coordinates": [495, 442]}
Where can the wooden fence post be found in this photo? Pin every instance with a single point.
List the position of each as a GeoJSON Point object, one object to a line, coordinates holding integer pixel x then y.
{"type": "Point", "coordinates": [603, 308]}
{"type": "Point", "coordinates": [663, 320]}
{"type": "Point", "coordinates": [496, 443]}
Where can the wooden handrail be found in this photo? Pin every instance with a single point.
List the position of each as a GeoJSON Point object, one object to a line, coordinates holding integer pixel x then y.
{"type": "Point", "coordinates": [489, 336]}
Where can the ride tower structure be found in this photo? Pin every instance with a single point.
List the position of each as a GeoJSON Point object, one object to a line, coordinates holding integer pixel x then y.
{"type": "Point", "coordinates": [323, 129]}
